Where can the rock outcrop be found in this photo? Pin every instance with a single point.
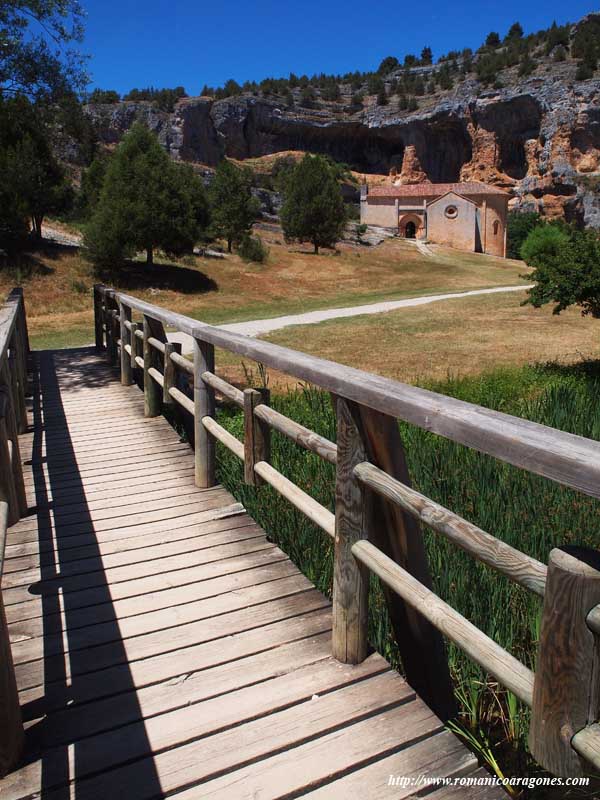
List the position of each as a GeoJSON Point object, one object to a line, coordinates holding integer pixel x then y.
{"type": "Point", "coordinates": [539, 138]}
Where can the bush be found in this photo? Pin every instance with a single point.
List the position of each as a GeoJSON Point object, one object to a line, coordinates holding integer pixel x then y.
{"type": "Point", "coordinates": [543, 243]}
{"type": "Point", "coordinates": [520, 224]}
{"type": "Point", "coordinates": [252, 248]}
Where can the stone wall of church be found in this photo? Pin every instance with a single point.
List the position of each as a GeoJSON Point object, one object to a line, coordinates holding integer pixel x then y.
{"type": "Point", "coordinates": [495, 225]}
{"type": "Point", "coordinates": [457, 230]}
{"type": "Point", "coordinates": [379, 211]}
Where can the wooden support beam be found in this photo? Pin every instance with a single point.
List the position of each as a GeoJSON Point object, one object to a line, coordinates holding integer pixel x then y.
{"type": "Point", "coordinates": [397, 534]}
{"type": "Point", "coordinates": [152, 391]}
{"type": "Point", "coordinates": [12, 735]}
{"type": "Point", "coordinates": [257, 435]}
{"type": "Point", "coordinates": [170, 371]}
{"type": "Point", "coordinates": [125, 316]}
{"type": "Point", "coordinates": [135, 346]}
{"type": "Point", "coordinates": [204, 406]}
{"type": "Point", "coordinates": [566, 695]}
{"type": "Point", "coordinates": [7, 410]}
{"type": "Point", "coordinates": [352, 522]}
{"type": "Point", "coordinates": [8, 491]}
{"type": "Point", "coordinates": [98, 326]}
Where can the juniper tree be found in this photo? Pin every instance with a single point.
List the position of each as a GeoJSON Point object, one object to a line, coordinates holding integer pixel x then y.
{"type": "Point", "coordinates": [233, 208]}
{"type": "Point", "coordinates": [313, 209]}
{"type": "Point", "coordinates": [147, 202]}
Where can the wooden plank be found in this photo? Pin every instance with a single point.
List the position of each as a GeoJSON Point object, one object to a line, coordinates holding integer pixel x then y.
{"type": "Point", "coordinates": [48, 581]}
{"type": "Point", "coordinates": [299, 617]}
{"type": "Point", "coordinates": [318, 761]}
{"type": "Point", "coordinates": [222, 752]}
{"type": "Point", "coordinates": [145, 646]}
{"type": "Point", "coordinates": [153, 592]}
{"type": "Point", "coordinates": [282, 656]}
{"type": "Point", "coordinates": [405, 773]}
{"type": "Point", "coordinates": [108, 750]}
{"type": "Point", "coordinates": [144, 615]}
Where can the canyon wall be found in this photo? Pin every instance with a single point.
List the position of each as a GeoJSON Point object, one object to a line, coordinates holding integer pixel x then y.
{"type": "Point", "coordinates": [540, 139]}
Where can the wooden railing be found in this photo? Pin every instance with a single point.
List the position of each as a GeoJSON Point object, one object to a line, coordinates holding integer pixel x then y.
{"type": "Point", "coordinates": [14, 350]}
{"type": "Point", "coordinates": [375, 527]}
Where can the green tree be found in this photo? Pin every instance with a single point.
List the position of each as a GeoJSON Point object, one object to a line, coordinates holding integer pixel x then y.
{"type": "Point", "coordinates": [92, 180]}
{"type": "Point", "coordinates": [233, 208]}
{"type": "Point", "coordinates": [313, 209]}
{"type": "Point", "coordinates": [492, 40]}
{"type": "Point", "coordinates": [36, 57]}
{"type": "Point", "coordinates": [104, 96]}
{"type": "Point", "coordinates": [426, 55]}
{"type": "Point", "coordinates": [514, 32]}
{"type": "Point", "coordinates": [388, 64]}
{"type": "Point", "coordinates": [32, 175]}
{"type": "Point", "coordinates": [147, 202]}
{"type": "Point", "coordinates": [566, 265]}
{"type": "Point", "coordinates": [519, 225]}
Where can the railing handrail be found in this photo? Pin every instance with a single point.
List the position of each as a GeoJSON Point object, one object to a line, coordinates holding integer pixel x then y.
{"type": "Point", "coordinates": [566, 458]}
{"type": "Point", "coordinates": [370, 464]}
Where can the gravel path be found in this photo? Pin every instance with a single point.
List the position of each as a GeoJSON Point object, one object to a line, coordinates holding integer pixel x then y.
{"type": "Point", "coordinates": [259, 327]}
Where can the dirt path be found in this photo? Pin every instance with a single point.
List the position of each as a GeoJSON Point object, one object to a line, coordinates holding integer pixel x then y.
{"type": "Point", "coordinates": [259, 327]}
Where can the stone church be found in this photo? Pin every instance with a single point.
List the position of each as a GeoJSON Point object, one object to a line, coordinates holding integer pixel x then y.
{"type": "Point", "coordinates": [468, 216]}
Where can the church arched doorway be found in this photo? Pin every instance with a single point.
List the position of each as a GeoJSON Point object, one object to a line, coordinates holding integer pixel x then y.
{"type": "Point", "coordinates": [410, 230]}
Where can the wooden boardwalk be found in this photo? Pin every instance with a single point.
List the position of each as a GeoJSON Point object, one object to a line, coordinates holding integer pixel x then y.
{"type": "Point", "coordinates": [163, 646]}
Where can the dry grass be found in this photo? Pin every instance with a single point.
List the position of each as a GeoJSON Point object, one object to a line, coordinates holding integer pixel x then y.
{"type": "Point", "coordinates": [448, 338]}
{"type": "Point", "coordinates": [58, 282]}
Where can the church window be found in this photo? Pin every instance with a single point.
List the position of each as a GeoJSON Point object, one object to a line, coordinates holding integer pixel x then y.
{"type": "Point", "coordinates": [451, 212]}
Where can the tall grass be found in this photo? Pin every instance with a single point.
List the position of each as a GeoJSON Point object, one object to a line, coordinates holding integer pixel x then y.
{"type": "Point", "coordinates": [528, 512]}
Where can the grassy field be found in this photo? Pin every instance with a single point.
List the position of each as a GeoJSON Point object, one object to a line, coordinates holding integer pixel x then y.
{"type": "Point", "coordinates": [449, 338]}
{"type": "Point", "coordinates": [526, 511]}
{"type": "Point", "coordinates": [58, 282]}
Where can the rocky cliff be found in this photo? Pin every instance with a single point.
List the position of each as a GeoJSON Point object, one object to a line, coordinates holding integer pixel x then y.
{"type": "Point", "coordinates": [538, 137]}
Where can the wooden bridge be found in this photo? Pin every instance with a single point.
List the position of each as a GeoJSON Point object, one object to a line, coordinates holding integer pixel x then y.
{"type": "Point", "coordinates": [154, 642]}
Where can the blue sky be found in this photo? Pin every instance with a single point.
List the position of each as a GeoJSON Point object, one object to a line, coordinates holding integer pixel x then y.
{"type": "Point", "coordinates": [188, 43]}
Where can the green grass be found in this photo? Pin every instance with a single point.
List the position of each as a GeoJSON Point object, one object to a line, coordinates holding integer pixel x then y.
{"type": "Point", "coordinates": [528, 512]}
{"type": "Point", "coordinates": [56, 340]}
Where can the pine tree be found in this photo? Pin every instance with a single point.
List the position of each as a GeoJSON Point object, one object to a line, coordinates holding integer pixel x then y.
{"type": "Point", "coordinates": [313, 209]}
{"type": "Point", "coordinates": [233, 208]}
{"type": "Point", "coordinates": [147, 202]}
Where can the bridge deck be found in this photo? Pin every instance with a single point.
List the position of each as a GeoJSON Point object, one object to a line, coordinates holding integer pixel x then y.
{"type": "Point", "coordinates": [163, 646]}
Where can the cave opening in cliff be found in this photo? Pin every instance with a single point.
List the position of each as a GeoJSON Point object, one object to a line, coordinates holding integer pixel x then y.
{"type": "Point", "coordinates": [513, 160]}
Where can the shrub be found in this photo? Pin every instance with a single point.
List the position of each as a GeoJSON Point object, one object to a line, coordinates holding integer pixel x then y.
{"type": "Point", "coordinates": [252, 248]}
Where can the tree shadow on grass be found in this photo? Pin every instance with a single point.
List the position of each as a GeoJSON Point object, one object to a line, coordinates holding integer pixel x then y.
{"type": "Point", "coordinates": [137, 275]}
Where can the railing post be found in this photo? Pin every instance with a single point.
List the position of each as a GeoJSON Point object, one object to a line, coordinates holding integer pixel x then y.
{"type": "Point", "coordinates": [125, 316]}
{"type": "Point", "coordinates": [169, 371]}
{"type": "Point", "coordinates": [12, 736]}
{"type": "Point", "coordinates": [352, 522]}
{"type": "Point", "coordinates": [98, 322]}
{"type": "Point", "coordinates": [8, 490]}
{"type": "Point", "coordinates": [135, 348]}
{"type": "Point", "coordinates": [257, 435]}
{"type": "Point", "coordinates": [566, 694]}
{"type": "Point", "coordinates": [204, 406]}
{"type": "Point", "coordinates": [114, 336]}
{"type": "Point", "coordinates": [8, 414]}
{"type": "Point", "coordinates": [17, 384]}
{"type": "Point", "coordinates": [398, 535]}
{"type": "Point", "coordinates": [152, 393]}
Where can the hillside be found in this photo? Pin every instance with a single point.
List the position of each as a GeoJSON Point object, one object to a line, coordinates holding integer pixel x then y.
{"type": "Point", "coordinates": [523, 115]}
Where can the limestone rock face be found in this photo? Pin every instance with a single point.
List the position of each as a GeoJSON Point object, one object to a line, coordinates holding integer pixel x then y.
{"type": "Point", "coordinates": [539, 139]}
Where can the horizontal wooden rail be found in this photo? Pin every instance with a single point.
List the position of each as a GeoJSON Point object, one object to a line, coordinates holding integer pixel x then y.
{"type": "Point", "coordinates": [182, 363]}
{"type": "Point", "coordinates": [182, 398]}
{"type": "Point", "coordinates": [317, 513]}
{"type": "Point", "coordinates": [157, 376]}
{"type": "Point", "coordinates": [563, 457]}
{"type": "Point", "coordinates": [139, 361]}
{"type": "Point", "coordinates": [224, 388]}
{"type": "Point", "coordinates": [512, 563]}
{"type": "Point", "coordinates": [493, 658]}
{"type": "Point", "coordinates": [156, 344]}
{"type": "Point", "coordinates": [298, 433]}
{"type": "Point", "coordinates": [223, 436]}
